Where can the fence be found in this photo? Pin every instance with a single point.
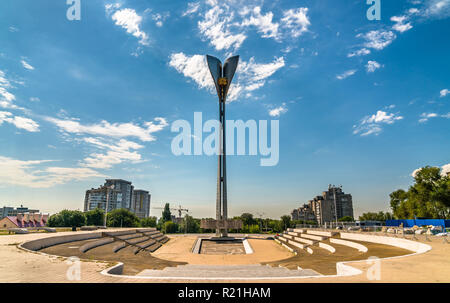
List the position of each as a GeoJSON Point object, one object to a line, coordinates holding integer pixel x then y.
{"type": "Point", "coordinates": [419, 222]}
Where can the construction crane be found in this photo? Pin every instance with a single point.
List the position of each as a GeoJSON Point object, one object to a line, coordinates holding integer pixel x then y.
{"type": "Point", "coordinates": [179, 209]}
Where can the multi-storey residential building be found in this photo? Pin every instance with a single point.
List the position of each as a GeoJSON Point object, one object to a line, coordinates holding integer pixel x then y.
{"type": "Point", "coordinates": [304, 213]}
{"type": "Point", "coordinates": [140, 203]}
{"type": "Point", "coordinates": [118, 193]}
{"type": "Point", "coordinates": [332, 205]}
{"type": "Point", "coordinates": [126, 191]}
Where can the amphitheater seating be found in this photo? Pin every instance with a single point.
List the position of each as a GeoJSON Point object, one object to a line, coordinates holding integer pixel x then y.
{"type": "Point", "coordinates": [307, 240]}
{"type": "Point", "coordinates": [147, 239]}
{"type": "Point", "coordinates": [92, 244]}
{"type": "Point", "coordinates": [313, 237]}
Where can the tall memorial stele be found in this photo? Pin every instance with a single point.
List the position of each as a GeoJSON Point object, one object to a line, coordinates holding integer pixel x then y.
{"type": "Point", "coordinates": [222, 76]}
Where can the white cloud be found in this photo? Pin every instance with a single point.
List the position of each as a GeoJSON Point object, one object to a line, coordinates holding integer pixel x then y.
{"type": "Point", "coordinates": [377, 39]}
{"type": "Point", "coordinates": [191, 9]}
{"type": "Point", "coordinates": [264, 23]}
{"type": "Point", "coordinates": [19, 122]}
{"type": "Point", "coordinates": [374, 124]}
{"type": "Point", "coordinates": [436, 8]}
{"type": "Point", "coordinates": [296, 20]}
{"type": "Point", "coordinates": [400, 24]}
{"type": "Point", "coordinates": [445, 169]}
{"type": "Point", "coordinates": [216, 26]}
{"type": "Point", "coordinates": [194, 67]}
{"type": "Point", "coordinates": [346, 74]}
{"type": "Point", "coordinates": [116, 153]}
{"type": "Point", "coordinates": [26, 65]}
{"type": "Point", "coordinates": [444, 92]}
{"type": "Point", "coordinates": [424, 117]}
{"type": "Point", "coordinates": [6, 97]}
{"type": "Point", "coordinates": [115, 130]}
{"type": "Point", "coordinates": [128, 19]}
{"type": "Point", "coordinates": [276, 112]}
{"type": "Point", "coordinates": [25, 173]}
{"type": "Point", "coordinates": [249, 75]}
{"type": "Point", "coordinates": [34, 99]}
{"type": "Point", "coordinates": [160, 18]}
{"type": "Point", "coordinates": [372, 66]}
{"type": "Point", "coordinates": [359, 52]}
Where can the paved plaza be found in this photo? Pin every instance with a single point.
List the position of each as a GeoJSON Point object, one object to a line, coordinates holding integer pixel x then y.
{"type": "Point", "coordinates": [22, 266]}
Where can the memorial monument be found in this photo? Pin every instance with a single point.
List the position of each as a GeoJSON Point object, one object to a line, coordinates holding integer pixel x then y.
{"type": "Point", "coordinates": [222, 77]}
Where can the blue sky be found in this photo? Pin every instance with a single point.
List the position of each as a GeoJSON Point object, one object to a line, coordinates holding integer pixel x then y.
{"type": "Point", "coordinates": [360, 103]}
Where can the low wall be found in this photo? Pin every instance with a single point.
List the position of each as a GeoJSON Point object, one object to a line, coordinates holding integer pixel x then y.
{"type": "Point", "coordinates": [314, 237]}
{"type": "Point", "coordinates": [90, 245]}
{"type": "Point", "coordinates": [330, 248]}
{"type": "Point", "coordinates": [321, 233]}
{"type": "Point", "coordinates": [358, 246]}
{"type": "Point", "coordinates": [402, 243]}
{"type": "Point", "coordinates": [50, 241]}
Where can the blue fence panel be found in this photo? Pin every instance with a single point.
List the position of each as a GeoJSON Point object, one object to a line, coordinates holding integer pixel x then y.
{"type": "Point", "coordinates": [419, 222]}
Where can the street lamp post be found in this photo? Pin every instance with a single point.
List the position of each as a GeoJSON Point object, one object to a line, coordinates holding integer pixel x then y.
{"type": "Point", "coordinates": [107, 203]}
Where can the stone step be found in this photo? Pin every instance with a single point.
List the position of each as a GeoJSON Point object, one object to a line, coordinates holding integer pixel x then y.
{"type": "Point", "coordinates": [322, 233]}
{"type": "Point", "coordinates": [313, 237]}
{"type": "Point", "coordinates": [227, 271]}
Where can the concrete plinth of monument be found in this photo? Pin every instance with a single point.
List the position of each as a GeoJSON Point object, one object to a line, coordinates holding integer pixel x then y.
{"type": "Point", "coordinates": [222, 246]}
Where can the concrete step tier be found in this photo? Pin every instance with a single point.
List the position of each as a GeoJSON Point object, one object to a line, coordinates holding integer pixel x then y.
{"type": "Point", "coordinates": [313, 237]}
{"type": "Point", "coordinates": [359, 247]}
{"type": "Point", "coordinates": [137, 240]}
{"type": "Point", "coordinates": [305, 241]}
{"type": "Point", "coordinates": [92, 244]}
{"type": "Point", "coordinates": [119, 246]}
{"type": "Point", "coordinates": [227, 271]}
{"type": "Point", "coordinates": [322, 233]}
{"type": "Point", "coordinates": [129, 237]}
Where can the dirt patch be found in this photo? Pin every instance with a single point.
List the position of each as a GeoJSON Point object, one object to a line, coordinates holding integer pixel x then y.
{"type": "Point", "coordinates": [133, 263]}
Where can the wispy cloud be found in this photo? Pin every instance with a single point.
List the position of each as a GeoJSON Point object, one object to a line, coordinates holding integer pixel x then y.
{"type": "Point", "coordinates": [377, 39]}
{"type": "Point", "coordinates": [116, 153]}
{"type": "Point", "coordinates": [31, 174]}
{"type": "Point", "coordinates": [115, 130]}
{"type": "Point", "coordinates": [359, 52]}
{"type": "Point", "coordinates": [444, 92]}
{"type": "Point", "coordinates": [373, 125]}
{"type": "Point", "coordinates": [276, 112]}
{"type": "Point", "coordinates": [191, 9]}
{"type": "Point", "coordinates": [401, 24]}
{"type": "Point", "coordinates": [26, 65]}
{"type": "Point", "coordinates": [424, 117]}
{"type": "Point", "coordinates": [346, 74]}
{"type": "Point", "coordinates": [19, 121]}
{"type": "Point", "coordinates": [372, 66]}
{"type": "Point", "coordinates": [296, 20]}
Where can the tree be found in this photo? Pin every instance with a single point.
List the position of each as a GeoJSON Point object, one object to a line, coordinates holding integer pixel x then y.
{"type": "Point", "coordinates": [95, 217]}
{"type": "Point", "coordinates": [346, 219]}
{"type": "Point", "coordinates": [190, 225]}
{"type": "Point", "coordinates": [428, 197]}
{"type": "Point", "coordinates": [286, 222]}
{"type": "Point", "coordinates": [166, 215]}
{"type": "Point", "coordinates": [254, 229]}
{"type": "Point", "coordinates": [247, 219]}
{"type": "Point", "coordinates": [373, 216]}
{"type": "Point", "coordinates": [122, 217]}
{"type": "Point", "coordinates": [67, 218]}
{"type": "Point", "coordinates": [148, 222]}
{"type": "Point", "coordinates": [169, 227]}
